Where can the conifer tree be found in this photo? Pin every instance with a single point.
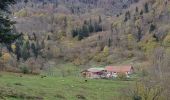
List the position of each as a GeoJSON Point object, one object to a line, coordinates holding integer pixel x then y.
{"type": "Point", "coordinates": [6, 35]}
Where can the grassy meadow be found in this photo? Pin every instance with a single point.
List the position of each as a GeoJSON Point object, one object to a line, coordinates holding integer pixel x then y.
{"type": "Point", "coordinates": [58, 86]}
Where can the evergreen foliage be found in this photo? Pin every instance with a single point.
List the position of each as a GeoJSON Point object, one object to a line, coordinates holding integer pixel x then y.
{"type": "Point", "coordinates": [6, 36]}
{"type": "Point", "coordinates": [87, 28]}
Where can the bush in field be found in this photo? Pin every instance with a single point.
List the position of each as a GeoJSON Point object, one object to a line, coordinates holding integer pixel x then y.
{"type": "Point", "coordinates": [24, 69]}
{"type": "Point", "coordinates": [77, 61]}
{"type": "Point", "coordinates": [145, 92]}
{"type": "Point", "coordinates": [122, 76]}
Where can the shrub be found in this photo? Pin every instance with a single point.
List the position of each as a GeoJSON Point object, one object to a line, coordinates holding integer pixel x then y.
{"type": "Point", "coordinates": [141, 91]}
{"type": "Point", "coordinates": [77, 61]}
{"type": "Point", "coordinates": [6, 57]}
{"type": "Point", "coordinates": [122, 76]}
{"type": "Point", "coordinates": [79, 96]}
{"type": "Point", "coordinates": [24, 69]}
{"type": "Point", "coordinates": [97, 58]}
{"type": "Point", "coordinates": [19, 84]}
{"type": "Point", "coordinates": [60, 96]}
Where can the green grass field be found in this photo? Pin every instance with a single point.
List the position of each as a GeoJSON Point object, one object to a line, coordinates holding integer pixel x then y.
{"type": "Point", "coordinates": [57, 87]}
{"type": "Point", "coordinates": [14, 87]}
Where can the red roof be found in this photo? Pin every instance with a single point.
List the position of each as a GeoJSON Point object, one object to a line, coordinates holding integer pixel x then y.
{"type": "Point", "coordinates": [119, 68]}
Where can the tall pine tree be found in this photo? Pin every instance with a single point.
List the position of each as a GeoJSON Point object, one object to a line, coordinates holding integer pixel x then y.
{"type": "Point", "coordinates": [6, 35]}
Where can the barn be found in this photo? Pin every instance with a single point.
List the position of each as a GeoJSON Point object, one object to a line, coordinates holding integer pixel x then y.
{"type": "Point", "coordinates": [113, 71]}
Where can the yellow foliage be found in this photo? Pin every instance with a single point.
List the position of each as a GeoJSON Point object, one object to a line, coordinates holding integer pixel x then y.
{"type": "Point", "coordinates": [131, 41]}
{"type": "Point", "coordinates": [26, 37]}
{"type": "Point", "coordinates": [146, 93]}
{"type": "Point", "coordinates": [101, 56]}
{"type": "Point", "coordinates": [6, 57]}
{"type": "Point", "coordinates": [98, 58]}
{"type": "Point", "coordinates": [138, 22]}
{"type": "Point", "coordinates": [166, 41]}
{"type": "Point", "coordinates": [22, 13]}
{"type": "Point", "coordinates": [106, 51]}
{"type": "Point", "coordinates": [55, 51]}
{"type": "Point", "coordinates": [149, 45]}
{"type": "Point", "coordinates": [117, 23]}
{"type": "Point", "coordinates": [77, 61]}
{"type": "Point", "coordinates": [130, 38]}
{"type": "Point", "coordinates": [39, 14]}
{"type": "Point", "coordinates": [13, 46]}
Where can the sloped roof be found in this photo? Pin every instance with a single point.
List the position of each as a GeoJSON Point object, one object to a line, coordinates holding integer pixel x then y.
{"type": "Point", "coordinates": [95, 69]}
{"type": "Point", "coordinates": [119, 68]}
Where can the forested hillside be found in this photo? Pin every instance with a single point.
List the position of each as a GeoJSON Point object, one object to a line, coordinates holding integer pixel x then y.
{"type": "Point", "coordinates": [89, 31]}
{"type": "Point", "coordinates": [62, 30]}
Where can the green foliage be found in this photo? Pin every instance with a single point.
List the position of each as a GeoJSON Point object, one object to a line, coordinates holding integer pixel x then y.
{"type": "Point", "coordinates": [122, 76]}
{"type": "Point", "coordinates": [143, 92]}
{"type": "Point", "coordinates": [24, 69]}
{"type": "Point", "coordinates": [5, 32]}
{"type": "Point", "coordinates": [102, 56]}
{"type": "Point", "coordinates": [98, 58]}
{"type": "Point", "coordinates": [5, 3]}
{"type": "Point", "coordinates": [34, 50]}
{"type": "Point", "coordinates": [100, 19]}
{"type": "Point", "coordinates": [146, 8]}
{"type": "Point", "coordinates": [127, 16]}
{"type": "Point", "coordinates": [87, 28]}
{"type": "Point", "coordinates": [18, 50]}
{"type": "Point", "coordinates": [152, 27]}
{"type": "Point", "coordinates": [131, 41]}
{"type": "Point", "coordinates": [25, 50]}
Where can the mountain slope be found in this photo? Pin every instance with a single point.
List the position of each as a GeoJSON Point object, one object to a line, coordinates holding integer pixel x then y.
{"type": "Point", "coordinates": [84, 33]}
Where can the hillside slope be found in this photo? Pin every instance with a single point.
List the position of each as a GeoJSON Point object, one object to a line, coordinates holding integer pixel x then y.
{"type": "Point", "coordinates": [84, 33]}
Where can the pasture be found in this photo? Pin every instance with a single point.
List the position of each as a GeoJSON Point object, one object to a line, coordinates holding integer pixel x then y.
{"type": "Point", "coordinates": [29, 87]}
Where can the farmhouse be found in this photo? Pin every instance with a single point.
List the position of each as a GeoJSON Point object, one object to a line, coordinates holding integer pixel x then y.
{"type": "Point", "coordinates": [107, 72]}
{"type": "Point", "coordinates": [113, 71]}
{"type": "Point", "coordinates": [94, 73]}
